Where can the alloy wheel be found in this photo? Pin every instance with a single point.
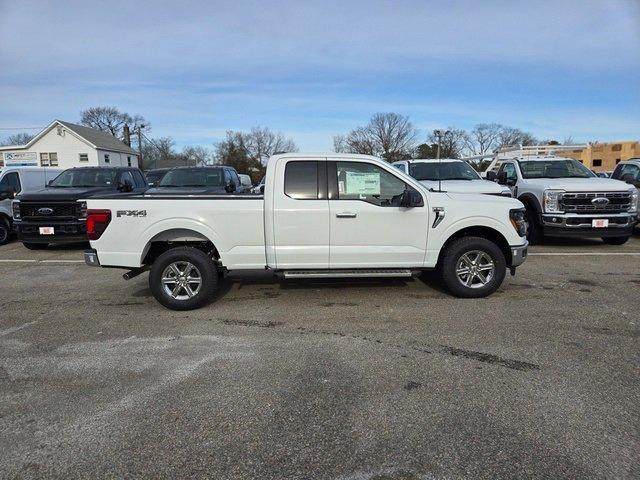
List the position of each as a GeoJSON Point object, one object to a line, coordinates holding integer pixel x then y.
{"type": "Point", "coordinates": [181, 280]}
{"type": "Point", "coordinates": [475, 269]}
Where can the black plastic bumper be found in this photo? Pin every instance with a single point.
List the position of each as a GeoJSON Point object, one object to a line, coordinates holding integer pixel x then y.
{"type": "Point", "coordinates": [64, 232]}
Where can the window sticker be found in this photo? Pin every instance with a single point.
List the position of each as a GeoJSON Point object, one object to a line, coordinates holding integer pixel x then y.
{"type": "Point", "coordinates": [362, 183]}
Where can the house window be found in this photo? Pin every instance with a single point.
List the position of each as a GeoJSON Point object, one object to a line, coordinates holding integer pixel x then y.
{"type": "Point", "coordinates": [617, 161]}
{"type": "Point", "coordinates": [128, 161]}
{"type": "Point", "coordinates": [106, 158]}
{"type": "Point", "coordinates": [49, 159]}
{"type": "Point", "coordinates": [597, 162]}
{"type": "Point", "coordinates": [617, 147]}
{"type": "Point", "coordinates": [84, 157]}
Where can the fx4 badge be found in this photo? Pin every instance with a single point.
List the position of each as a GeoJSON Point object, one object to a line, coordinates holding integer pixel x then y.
{"type": "Point", "coordinates": [131, 213]}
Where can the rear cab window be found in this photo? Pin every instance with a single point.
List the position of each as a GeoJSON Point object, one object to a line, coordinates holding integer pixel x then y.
{"type": "Point", "coordinates": [301, 179]}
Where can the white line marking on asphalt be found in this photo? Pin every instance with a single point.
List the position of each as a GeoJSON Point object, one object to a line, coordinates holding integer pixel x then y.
{"type": "Point", "coordinates": [11, 330]}
{"type": "Point", "coordinates": [39, 261]}
{"type": "Point", "coordinates": [585, 254]}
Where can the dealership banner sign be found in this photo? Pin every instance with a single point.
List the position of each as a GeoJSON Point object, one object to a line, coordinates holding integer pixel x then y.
{"type": "Point", "coordinates": [21, 159]}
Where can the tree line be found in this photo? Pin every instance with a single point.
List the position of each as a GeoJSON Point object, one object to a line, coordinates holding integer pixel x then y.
{"type": "Point", "coordinates": [390, 136]}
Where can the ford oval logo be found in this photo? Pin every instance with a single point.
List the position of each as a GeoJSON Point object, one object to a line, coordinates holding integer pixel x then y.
{"type": "Point", "coordinates": [600, 201]}
{"type": "Point", "coordinates": [45, 211]}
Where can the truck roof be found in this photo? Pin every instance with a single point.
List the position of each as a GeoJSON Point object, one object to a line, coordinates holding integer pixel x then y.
{"type": "Point", "coordinates": [430, 160]}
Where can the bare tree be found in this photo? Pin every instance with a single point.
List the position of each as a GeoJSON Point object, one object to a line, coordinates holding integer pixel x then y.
{"type": "Point", "coordinates": [451, 145]}
{"type": "Point", "coordinates": [510, 137]}
{"type": "Point", "coordinates": [111, 120]}
{"type": "Point", "coordinates": [248, 151]}
{"type": "Point", "coordinates": [388, 135]}
{"type": "Point", "coordinates": [568, 140]}
{"type": "Point", "coordinates": [160, 153]}
{"type": "Point", "coordinates": [484, 138]}
{"type": "Point", "coordinates": [17, 139]}
{"type": "Point", "coordinates": [196, 155]}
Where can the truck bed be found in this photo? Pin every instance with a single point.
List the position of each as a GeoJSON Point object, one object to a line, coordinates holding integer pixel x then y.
{"type": "Point", "coordinates": [142, 219]}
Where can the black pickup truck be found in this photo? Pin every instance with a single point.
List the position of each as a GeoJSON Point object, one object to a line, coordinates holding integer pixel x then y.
{"type": "Point", "coordinates": [55, 214]}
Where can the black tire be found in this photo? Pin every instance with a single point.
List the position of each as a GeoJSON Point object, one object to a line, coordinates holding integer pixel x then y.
{"type": "Point", "coordinates": [185, 299]}
{"type": "Point", "coordinates": [453, 256]}
{"type": "Point", "coordinates": [534, 231]}
{"type": "Point", "coordinates": [615, 240]}
{"type": "Point", "coordinates": [5, 232]}
{"type": "Point", "coordinates": [35, 246]}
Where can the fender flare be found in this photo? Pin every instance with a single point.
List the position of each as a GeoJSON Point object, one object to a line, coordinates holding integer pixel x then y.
{"type": "Point", "coordinates": [530, 199]}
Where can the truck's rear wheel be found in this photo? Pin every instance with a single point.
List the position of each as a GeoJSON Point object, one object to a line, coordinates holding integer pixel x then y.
{"type": "Point", "coordinates": [615, 240]}
{"type": "Point", "coordinates": [183, 278]}
{"type": "Point", "coordinates": [473, 267]}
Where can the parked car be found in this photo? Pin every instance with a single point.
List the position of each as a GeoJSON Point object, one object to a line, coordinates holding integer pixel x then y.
{"type": "Point", "coordinates": [336, 215]}
{"type": "Point", "coordinates": [564, 198]}
{"type": "Point", "coordinates": [55, 214]}
{"type": "Point", "coordinates": [245, 181]}
{"type": "Point", "coordinates": [154, 176]}
{"type": "Point", "coordinates": [17, 180]}
{"type": "Point", "coordinates": [450, 175]}
{"type": "Point", "coordinates": [199, 181]}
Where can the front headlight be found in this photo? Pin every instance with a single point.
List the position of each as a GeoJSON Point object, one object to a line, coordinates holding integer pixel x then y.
{"type": "Point", "coordinates": [633, 205]}
{"type": "Point", "coordinates": [552, 201]}
{"type": "Point", "coordinates": [82, 210]}
{"type": "Point", "coordinates": [15, 208]}
{"type": "Point", "coordinates": [518, 220]}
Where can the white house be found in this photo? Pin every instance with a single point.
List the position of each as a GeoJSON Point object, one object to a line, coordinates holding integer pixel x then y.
{"type": "Point", "coordinates": [66, 145]}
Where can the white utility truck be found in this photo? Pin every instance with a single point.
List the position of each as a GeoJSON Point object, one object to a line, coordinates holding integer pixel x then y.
{"type": "Point", "coordinates": [321, 216]}
{"type": "Point", "coordinates": [565, 199]}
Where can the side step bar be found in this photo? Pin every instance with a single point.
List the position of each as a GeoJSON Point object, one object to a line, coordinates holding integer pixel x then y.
{"type": "Point", "coordinates": [356, 273]}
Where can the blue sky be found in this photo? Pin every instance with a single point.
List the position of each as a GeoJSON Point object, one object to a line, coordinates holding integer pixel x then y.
{"type": "Point", "coordinates": [313, 69]}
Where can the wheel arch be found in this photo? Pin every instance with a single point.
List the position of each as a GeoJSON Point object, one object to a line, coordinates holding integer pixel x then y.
{"type": "Point", "coordinates": [479, 231]}
{"type": "Point", "coordinates": [177, 237]}
{"type": "Point", "coordinates": [531, 201]}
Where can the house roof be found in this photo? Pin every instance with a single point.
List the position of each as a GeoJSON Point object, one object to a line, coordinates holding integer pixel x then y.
{"type": "Point", "coordinates": [95, 138]}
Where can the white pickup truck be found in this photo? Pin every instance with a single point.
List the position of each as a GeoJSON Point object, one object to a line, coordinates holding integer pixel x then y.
{"type": "Point", "coordinates": [564, 198]}
{"type": "Point", "coordinates": [334, 215]}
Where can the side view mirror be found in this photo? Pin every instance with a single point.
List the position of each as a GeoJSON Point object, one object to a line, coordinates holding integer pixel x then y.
{"type": "Point", "coordinates": [502, 178]}
{"type": "Point", "coordinates": [491, 176]}
{"type": "Point", "coordinates": [411, 198]}
{"type": "Point", "coordinates": [7, 192]}
{"type": "Point", "coordinates": [629, 178]}
{"type": "Point", "coordinates": [125, 187]}
{"type": "Point", "coordinates": [230, 188]}
{"type": "Point", "coordinates": [49, 183]}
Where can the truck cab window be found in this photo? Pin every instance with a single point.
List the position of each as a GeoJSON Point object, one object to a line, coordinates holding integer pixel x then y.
{"type": "Point", "coordinates": [11, 180]}
{"type": "Point", "coordinates": [510, 170]}
{"type": "Point", "coordinates": [127, 179]}
{"type": "Point", "coordinates": [301, 180]}
{"type": "Point", "coordinates": [369, 183]}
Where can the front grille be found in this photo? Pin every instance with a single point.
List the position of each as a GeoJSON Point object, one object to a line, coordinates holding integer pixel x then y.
{"type": "Point", "coordinates": [618, 202]}
{"type": "Point", "coordinates": [48, 211]}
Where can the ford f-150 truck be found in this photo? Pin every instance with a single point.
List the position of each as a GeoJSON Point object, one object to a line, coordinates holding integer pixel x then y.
{"type": "Point", "coordinates": [564, 198]}
{"type": "Point", "coordinates": [337, 215]}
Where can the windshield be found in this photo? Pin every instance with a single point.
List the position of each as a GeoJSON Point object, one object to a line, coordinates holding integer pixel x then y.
{"type": "Point", "coordinates": [84, 177]}
{"type": "Point", "coordinates": [193, 177]}
{"type": "Point", "coordinates": [155, 177]}
{"type": "Point", "coordinates": [443, 171]}
{"type": "Point", "coordinates": [554, 169]}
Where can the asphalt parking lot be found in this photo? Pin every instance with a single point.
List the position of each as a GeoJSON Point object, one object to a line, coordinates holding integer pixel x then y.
{"type": "Point", "coordinates": [341, 380]}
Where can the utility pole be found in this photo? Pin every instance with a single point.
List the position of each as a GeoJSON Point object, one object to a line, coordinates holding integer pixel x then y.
{"type": "Point", "coordinates": [139, 129]}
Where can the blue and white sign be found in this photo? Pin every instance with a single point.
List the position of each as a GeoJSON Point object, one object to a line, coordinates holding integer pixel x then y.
{"type": "Point", "coordinates": [21, 159]}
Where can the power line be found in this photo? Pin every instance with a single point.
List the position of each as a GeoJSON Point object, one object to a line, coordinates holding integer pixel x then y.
{"type": "Point", "coordinates": [21, 128]}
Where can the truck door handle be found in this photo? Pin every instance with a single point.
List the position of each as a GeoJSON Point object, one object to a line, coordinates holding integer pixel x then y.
{"type": "Point", "coordinates": [346, 215]}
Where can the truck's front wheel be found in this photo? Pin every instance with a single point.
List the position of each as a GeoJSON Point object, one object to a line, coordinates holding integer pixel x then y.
{"type": "Point", "coordinates": [473, 267]}
{"type": "Point", "coordinates": [615, 240]}
{"type": "Point", "coordinates": [183, 278]}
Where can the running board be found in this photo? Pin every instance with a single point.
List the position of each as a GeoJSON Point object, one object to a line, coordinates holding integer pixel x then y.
{"type": "Point", "coordinates": [358, 273]}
